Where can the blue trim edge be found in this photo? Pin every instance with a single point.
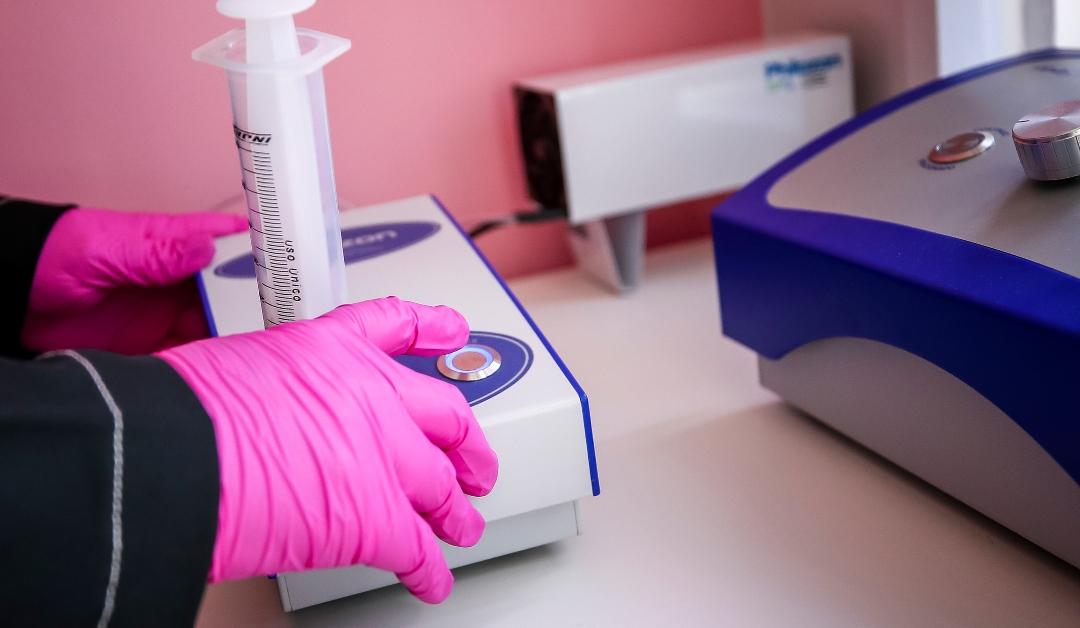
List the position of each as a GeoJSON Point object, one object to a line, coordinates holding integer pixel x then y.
{"type": "Point", "coordinates": [210, 322]}
{"type": "Point", "coordinates": [593, 473]}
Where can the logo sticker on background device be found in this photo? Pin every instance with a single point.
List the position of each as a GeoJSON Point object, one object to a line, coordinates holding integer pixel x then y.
{"type": "Point", "coordinates": [805, 73]}
{"type": "Point", "coordinates": [357, 244]}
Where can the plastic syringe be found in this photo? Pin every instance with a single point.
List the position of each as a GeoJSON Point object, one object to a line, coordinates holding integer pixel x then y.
{"type": "Point", "coordinates": [281, 133]}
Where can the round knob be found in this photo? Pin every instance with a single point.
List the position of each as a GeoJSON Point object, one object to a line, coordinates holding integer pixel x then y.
{"type": "Point", "coordinates": [1047, 142]}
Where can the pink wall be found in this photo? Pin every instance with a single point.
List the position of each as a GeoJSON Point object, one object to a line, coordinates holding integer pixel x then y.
{"type": "Point", "coordinates": [100, 102]}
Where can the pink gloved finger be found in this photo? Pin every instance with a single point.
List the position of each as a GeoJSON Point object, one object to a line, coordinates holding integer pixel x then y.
{"type": "Point", "coordinates": [441, 412]}
{"type": "Point", "coordinates": [128, 321]}
{"type": "Point", "coordinates": [159, 261]}
{"type": "Point", "coordinates": [91, 252]}
{"type": "Point", "coordinates": [190, 323]}
{"type": "Point", "coordinates": [402, 327]}
{"type": "Point", "coordinates": [215, 224]}
{"type": "Point", "coordinates": [429, 481]}
{"type": "Point", "coordinates": [162, 225]}
{"type": "Point", "coordinates": [431, 580]}
{"type": "Point", "coordinates": [162, 249]}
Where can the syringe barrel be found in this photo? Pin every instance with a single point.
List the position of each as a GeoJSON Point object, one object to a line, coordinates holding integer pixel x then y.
{"type": "Point", "coordinates": [282, 137]}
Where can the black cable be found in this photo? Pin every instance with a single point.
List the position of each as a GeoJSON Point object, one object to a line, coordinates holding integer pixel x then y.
{"type": "Point", "coordinates": [528, 216]}
{"type": "Point", "coordinates": [543, 214]}
{"type": "Point", "coordinates": [485, 226]}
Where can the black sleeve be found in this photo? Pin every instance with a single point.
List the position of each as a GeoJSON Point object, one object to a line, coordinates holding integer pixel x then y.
{"type": "Point", "coordinates": [27, 225]}
{"type": "Point", "coordinates": [103, 511]}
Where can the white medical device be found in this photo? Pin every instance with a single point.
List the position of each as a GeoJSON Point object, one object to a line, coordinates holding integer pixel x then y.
{"type": "Point", "coordinates": [282, 137]}
{"type": "Point", "coordinates": [607, 143]}
{"type": "Point", "coordinates": [298, 263]}
{"type": "Point", "coordinates": [531, 409]}
{"type": "Point", "coordinates": [912, 279]}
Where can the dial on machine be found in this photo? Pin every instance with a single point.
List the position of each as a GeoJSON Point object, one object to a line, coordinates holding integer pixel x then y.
{"type": "Point", "coordinates": [1048, 142]}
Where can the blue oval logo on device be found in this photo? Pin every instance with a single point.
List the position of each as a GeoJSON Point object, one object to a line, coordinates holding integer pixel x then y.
{"type": "Point", "coordinates": [357, 244]}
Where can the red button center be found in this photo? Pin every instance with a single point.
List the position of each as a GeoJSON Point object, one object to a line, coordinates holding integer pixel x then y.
{"type": "Point", "coordinates": [470, 361]}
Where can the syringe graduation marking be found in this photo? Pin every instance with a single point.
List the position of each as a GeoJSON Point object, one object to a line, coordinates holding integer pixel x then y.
{"type": "Point", "coordinates": [283, 281]}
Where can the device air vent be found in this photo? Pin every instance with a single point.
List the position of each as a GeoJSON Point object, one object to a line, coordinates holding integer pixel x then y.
{"type": "Point", "coordinates": [538, 129]}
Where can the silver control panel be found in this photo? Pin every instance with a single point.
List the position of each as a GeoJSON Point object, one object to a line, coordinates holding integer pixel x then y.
{"type": "Point", "coordinates": [883, 172]}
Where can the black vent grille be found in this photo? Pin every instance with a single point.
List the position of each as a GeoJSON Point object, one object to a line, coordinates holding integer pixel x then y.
{"type": "Point", "coordinates": [538, 128]}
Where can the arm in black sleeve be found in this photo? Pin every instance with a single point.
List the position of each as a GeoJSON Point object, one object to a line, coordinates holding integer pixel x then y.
{"type": "Point", "coordinates": [27, 225]}
{"type": "Point", "coordinates": [108, 492]}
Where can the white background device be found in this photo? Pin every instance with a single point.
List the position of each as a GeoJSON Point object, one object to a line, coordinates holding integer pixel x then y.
{"type": "Point", "coordinates": [898, 45]}
{"type": "Point", "coordinates": [607, 143]}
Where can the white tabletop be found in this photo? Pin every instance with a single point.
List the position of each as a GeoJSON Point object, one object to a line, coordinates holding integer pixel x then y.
{"type": "Point", "coordinates": [719, 504]}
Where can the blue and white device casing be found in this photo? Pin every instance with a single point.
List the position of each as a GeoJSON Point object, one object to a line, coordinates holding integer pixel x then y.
{"type": "Point", "coordinates": [533, 412]}
{"type": "Point", "coordinates": [929, 311]}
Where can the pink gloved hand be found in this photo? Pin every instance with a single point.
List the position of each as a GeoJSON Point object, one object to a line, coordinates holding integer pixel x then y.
{"type": "Point", "coordinates": [122, 281]}
{"type": "Point", "coordinates": [331, 453]}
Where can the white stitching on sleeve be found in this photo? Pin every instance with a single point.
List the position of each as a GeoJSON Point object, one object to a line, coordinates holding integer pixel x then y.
{"type": "Point", "coordinates": [117, 483]}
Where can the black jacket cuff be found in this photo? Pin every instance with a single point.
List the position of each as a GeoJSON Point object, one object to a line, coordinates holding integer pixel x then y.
{"type": "Point", "coordinates": [171, 485]}
{"type": "Point", "coordinates": [70, 427]}
{"type": "Point", "coordinates": [28, 224]}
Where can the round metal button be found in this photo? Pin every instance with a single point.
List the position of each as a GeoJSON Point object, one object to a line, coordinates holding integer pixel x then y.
{"type": "Point", "coordinates": [469, 363]}
{"type": "Point", "coordinates": [961, 147]}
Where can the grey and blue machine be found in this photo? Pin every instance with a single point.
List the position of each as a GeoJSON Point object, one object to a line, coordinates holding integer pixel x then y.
{"type": "Point", "coordinates": [912, 279]}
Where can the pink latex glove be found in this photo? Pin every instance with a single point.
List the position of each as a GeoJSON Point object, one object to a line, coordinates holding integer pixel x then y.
{"type": "Point", "coordinates": [122, 281]}
{"type": "Point", "coordinates": [331, 453]}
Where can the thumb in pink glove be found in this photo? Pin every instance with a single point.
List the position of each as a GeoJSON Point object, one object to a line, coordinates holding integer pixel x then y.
{"type": "Point", "coordinates": [331, 453]}
{"type": "Point", "coordinates": [122, 281]}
